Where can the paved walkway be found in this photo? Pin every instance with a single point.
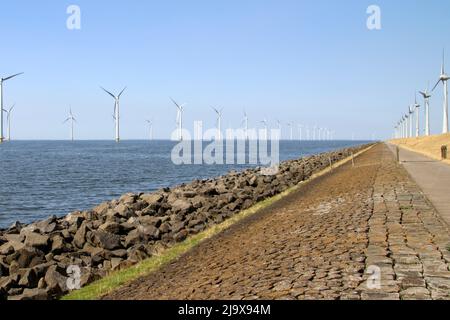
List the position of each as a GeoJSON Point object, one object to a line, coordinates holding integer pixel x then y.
{"type": "Point", "coordinates": [365, 232]}
{"type": "Point", "coordinates": [432, 176]}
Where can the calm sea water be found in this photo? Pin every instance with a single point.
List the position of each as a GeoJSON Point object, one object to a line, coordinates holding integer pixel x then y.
{"type": "Point", "coordinates": [39, 179]}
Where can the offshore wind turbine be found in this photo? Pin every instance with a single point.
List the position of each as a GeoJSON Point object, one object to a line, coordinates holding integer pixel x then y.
{"type": "Point", "coordinates": [219, 122]}
{"type": "Point", "coordinates": [291, 129]}
{"type": "Point", "coordinates": [8, 120]}
{"type": "Point", "coordinates": [1, 103]}
{"type": "Point", "coordinates": [150, 124]}
{"type": "Point", "coordinates": [180, 110]}
{"type": "Point", "coordinates": [426, 96]}
{"type": "Point", "coordinates": [72, 119]}
{"type": "Point", "coordinates": [300, 127]}
{"type": "Point", "coordinates": [245, 123]}
{"type": "Point", "coordinates": [266, 126]}
{"type": "Point", "coordinates": [116, 111]}
{"type": "Point", "coordinates": [444, 79]}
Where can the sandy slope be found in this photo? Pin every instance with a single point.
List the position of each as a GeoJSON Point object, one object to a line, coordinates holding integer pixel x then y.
{"type": "Point", "coordinates": [430, 146]}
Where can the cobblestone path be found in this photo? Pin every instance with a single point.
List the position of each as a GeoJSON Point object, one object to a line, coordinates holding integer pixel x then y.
{"type": "Point", "coordinates": [363, 232]}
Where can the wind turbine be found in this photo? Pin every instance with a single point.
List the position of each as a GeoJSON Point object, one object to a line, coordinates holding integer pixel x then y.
{"type": "Point", "coordinates": [1, 102]}
{"type": "Point", "coordinates": [266, 125]}
{"type": "Point", "coordinates": [415, 109]}
{"type": "Point", "coordinates": [219, 122]}
{"type": "Point", "coordinates": [116, 111]}
{"type": "Point", "coordinates": [150, 123]}
{"type": "Point", "coordinates": [300, 127]}
{"type": "Point", "coordinates": [280, 128]}
{"type": "Point", "coordinates": [291, 129]}
{"type": "Point", "coordinates": [72, 119]}
{"type": "Point", "coordinates": [444, 78]}
{"type": "Point", "coordinates": [180, 110]}
{"type": "Point", "coordinates": [426, 96]}
{"type": "Point", "coordinates": [8, 120]}
{"type": "Point", "coordinates": [411, 121]}
{"type": "Point", "coordinates": [245, 123]}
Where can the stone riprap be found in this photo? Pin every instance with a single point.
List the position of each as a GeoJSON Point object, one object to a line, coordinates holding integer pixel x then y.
{"type": "Point", "coordinates": [35, 258]}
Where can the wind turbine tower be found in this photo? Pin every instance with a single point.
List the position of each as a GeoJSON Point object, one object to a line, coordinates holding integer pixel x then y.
{"type": "Point", "coordinates": [8, 120]}
{"type": "Point", "coordinates": [72, 119]}
{"type": "Point", "coordinates": [180, 111]}
{"type": "Point", "coordinates": [444, 79]}
{"type": "Point", "coordinates": [416, 108]}
{"type": "Point", "coordinates": [116, 110]}
{"type": "Point", "coordinates": [150, 124]}
{"type": "Point", "coordinates": [426, 96]}
{"type": "Point", "coordinates": [219, 122]}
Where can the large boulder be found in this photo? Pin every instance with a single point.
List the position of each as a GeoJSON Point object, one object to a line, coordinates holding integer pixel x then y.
{"type": "Point", "coordinates": [36, 240]}
{"type": "Point", "coordinates": [55, 280]}
{"type": "Point", "coordinates": [26, 257]}
{"type": "Point", "coordinates": [111, 227]}
{"type": "Point", "coordinates": [107, 240]}
{"type": "Point", "coordinates": [80, 237]}
{"type": "Point", "coordinates": [182, 206]}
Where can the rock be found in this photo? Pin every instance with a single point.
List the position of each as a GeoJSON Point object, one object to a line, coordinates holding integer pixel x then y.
{"type": "Point", "coordinates": [150, 232]}
{"type": "Point", "coordinates": [152, 198]}
{"type": "Point", "coordinates": [7, 283]}
{"type": "Point", "coordinates": [111, 227]}
{"type": "Point", "coordinates": [177, 226]}
{"type": "Point", "coordinates": [58, 244]}
{"type": "Point", "coordinates": [107, 240]}
{"type": "Point", "coordinates": [56, 282]}
{"type": "Point", "coordinates": [26, 257]}
{"type": "Point", "coordinates": [128, 198]}
{"type": "Point", "coordinates": [48, 225]}
{"type": "Point", "coordinates": [123, 210]}
{"type": "Point", "coordinates": [31, 294]}
{"type": "Point", "coordinates": [36, 240]}
{"type": "Point", "coordinates": [120, 253]}
{"type": "Point", "coordinates": [137, 253]}
{"type": "Point", "coordinates": [182, 205]}
{"type": "Point", "coordinates": [10, 247]}
{"type": "Point", "coordinates": [75, 219]}
{"type": "Point", "coordinates": [115, 263]}
{"type": "Point", "coordinates": [253, 181]}
{"type": "Point", "coordinates": [165, 227]}
{"type": "Point", "coordinates": [102, 208]}
{"type": "Point", "coordinates": [181, 236]}
{"type": "Point", "coordinates": [41, 283]}
{"type": "Point", "coordinates": [29, 279]}
{"type": "Point", "coordinates": [80, 237]}
{"type": "Point", "coordinates": [132, 238]}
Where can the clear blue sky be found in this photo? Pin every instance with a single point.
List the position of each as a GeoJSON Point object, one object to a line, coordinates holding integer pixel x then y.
{"type": "Point", "coordinates": [312, 62]}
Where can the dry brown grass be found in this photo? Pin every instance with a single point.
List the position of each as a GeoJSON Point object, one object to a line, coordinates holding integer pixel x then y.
{"type": "Point", "coordinates": [429, 146]}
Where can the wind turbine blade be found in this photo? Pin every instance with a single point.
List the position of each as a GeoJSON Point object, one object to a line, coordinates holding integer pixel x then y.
{"type": "Point", "coordinates": [122, 92]}
{"type": "Point", "coordinates": [10, 77]}
{"type": "Point", "coordinates": [436, 85]}
{"type": "Point", "coordinates": [66, 120]}
{"type": "Point", "coordinates": [108, 92]}
{"type": "Point", "coordinates": [443, 62]}
{"type": "Point", "coordinates": [11, 109]}
{"type": "Point", "coordinates": [178, 106]}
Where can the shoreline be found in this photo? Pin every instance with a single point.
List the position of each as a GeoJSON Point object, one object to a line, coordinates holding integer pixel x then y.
{"type": "Point", "coordinates": [118, 234]}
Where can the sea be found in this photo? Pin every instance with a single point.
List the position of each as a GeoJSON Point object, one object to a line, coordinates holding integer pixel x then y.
{"type": "Point", "coordinates": [39, 179]}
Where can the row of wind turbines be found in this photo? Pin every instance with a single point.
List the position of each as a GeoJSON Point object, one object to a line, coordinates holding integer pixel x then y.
{"type": "Point", "coordinates": [405, 126]}
{"type": "Point", "coordinates": [313, 133]}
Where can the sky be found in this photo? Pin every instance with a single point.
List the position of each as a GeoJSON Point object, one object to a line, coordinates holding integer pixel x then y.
{"type": "Point", "coordinates": [309, 62]}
